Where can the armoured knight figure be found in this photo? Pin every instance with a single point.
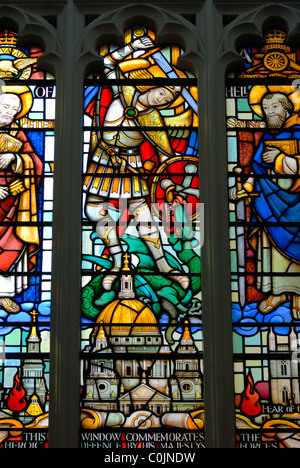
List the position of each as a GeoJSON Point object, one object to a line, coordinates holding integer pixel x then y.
{"type": "Point", "coordinates": [116, 171]}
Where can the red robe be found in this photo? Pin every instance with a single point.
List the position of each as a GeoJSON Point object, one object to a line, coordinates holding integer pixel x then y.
{"type": "Point", "coordinates": [18, 212]}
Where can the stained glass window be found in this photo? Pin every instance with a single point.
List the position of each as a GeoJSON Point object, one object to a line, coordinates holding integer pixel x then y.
{"type": "Point", "coordinates": [141, 353]}
{"type": "Point", "coordinates": [263, 162]}
{"type": "Point", "coordinates": [27, 113]}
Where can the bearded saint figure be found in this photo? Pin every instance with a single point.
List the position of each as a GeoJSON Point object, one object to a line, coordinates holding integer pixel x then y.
{"type": "Point", "coordinates": [117, 171]}
{"type": "Point", "coordinates": [276, 166]}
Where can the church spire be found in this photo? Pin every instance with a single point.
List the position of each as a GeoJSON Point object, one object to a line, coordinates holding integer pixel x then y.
{"type": "Point", "coordinates": [186, 337]}
{"type": "Point", "coordinates": [186, 344]}
{"type": "Point", "coordinates": [33, 337]}
{"type": "Point", "coordinates": [101, 341]}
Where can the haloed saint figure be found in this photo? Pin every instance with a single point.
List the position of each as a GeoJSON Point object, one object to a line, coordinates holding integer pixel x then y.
{"type": "Point", "coordinates": [19, 165]}
{"type": "Point", "coordinates": [277, 203]}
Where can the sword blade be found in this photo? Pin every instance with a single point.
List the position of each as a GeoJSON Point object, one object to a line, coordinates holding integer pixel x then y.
{"type": "Point", "coordinates": [241, 250]}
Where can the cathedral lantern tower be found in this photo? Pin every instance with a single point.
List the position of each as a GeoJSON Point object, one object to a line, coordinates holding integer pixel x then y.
{"type": "Point", "coordinates": [127, 291]}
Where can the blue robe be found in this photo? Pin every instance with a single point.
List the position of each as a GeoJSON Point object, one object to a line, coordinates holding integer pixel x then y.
{"type": "Point", "coordinates": [276, 205]}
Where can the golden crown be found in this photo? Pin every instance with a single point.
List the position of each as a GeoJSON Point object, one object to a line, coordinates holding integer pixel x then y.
{"type": "Point", "coordinates": [8, 37]}
{"type": "Point", "coordinates": [275, 37]}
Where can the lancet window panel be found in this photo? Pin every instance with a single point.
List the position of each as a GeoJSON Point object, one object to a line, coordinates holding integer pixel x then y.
{"type": "Point", "coordinates": [142, 351]}
{"type": "Point", "coordinates": [27, 115]}
{"type": "Point", "coordinates": [262, 106]}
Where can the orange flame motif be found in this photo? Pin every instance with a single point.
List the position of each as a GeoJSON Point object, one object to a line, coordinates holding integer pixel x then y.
{"type": "Point", "coordinates": [250, 405]}
{"type": "Point", "coordinates": [16, 400]}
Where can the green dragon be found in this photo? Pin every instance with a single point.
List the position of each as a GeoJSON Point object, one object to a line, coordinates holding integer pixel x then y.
{"type": "Point", "coordinates": [161, 294]}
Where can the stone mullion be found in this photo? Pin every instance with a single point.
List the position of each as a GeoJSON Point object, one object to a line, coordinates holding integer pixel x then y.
{"type": "Point", "coordinates": [66, 306]}
{"type": "Point", "coordinates": [216, 284]}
